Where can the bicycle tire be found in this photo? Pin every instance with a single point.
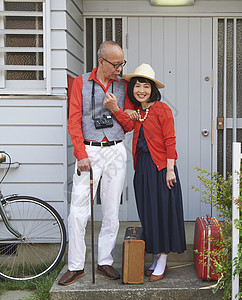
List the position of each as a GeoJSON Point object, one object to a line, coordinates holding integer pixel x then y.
{"type": "Point", "coordinates": [43, 241]}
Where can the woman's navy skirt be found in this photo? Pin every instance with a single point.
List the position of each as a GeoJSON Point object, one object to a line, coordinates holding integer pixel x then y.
{"type": "Point", "coordinates": [160, 209]}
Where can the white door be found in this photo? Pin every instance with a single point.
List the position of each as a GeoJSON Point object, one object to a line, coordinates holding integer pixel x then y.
{"type": "Point", "coordinates": [180, 51]}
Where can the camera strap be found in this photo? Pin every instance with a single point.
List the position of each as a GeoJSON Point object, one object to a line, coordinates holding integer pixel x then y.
{"type": "Point", "coordinates": [93, 98]}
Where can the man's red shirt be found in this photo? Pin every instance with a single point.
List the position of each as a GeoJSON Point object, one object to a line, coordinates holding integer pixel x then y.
{"type": "Point", "coordinates": [75, 112]}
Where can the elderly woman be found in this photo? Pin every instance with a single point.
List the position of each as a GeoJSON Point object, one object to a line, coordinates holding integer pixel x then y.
{"type": "Point", "coordinates": [156, 181]}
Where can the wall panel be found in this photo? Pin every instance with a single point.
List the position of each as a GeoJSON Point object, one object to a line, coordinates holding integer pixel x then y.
{"type": "Point", "coordinates": [33, 132]}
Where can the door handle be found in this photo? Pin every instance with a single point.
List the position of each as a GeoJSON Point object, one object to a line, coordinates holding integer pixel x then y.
{"type": "Point", "coordinates": [205, 132]}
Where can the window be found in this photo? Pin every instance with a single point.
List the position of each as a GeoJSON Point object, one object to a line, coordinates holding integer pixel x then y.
{"type": "Point", "coordinates": [104, 29]}
{"type": "Point", "coordinates": [24, 47]}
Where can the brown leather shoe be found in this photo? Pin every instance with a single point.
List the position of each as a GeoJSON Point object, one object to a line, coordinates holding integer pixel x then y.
{"type": "Point", "coordinates": [148, 272]}
{"type": "Point", "coordinates": [71, 276]}
{"type": "Point", "coordinates": [158, 277]}
{"type": "Point", "coordinates": [108, 271]}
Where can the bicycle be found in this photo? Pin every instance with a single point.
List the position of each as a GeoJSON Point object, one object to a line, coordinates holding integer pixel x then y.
{"type": "Point", "coordinates": [32, 235]}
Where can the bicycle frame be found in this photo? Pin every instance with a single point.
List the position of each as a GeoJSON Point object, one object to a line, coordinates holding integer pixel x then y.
{"type": "Point", "coordinates": [6, 222]}
{"type": "Point", "coordinates": [27, 226]}
{"type": "Point", "coordinates": [5, 217]}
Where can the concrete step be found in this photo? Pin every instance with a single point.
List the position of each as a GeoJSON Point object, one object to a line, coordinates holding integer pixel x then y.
{"type": "Point", "coordinates": [117, 253]}
{"type": "Point", "coordinates": [180, 283]}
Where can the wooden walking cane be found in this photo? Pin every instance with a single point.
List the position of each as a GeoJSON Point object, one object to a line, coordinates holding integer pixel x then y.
{"type": "Point", "coordinates": [92, 225]}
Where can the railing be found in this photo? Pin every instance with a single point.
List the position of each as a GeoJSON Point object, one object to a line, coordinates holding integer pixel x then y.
{"type": "Point", "coordinates": [237, 156]}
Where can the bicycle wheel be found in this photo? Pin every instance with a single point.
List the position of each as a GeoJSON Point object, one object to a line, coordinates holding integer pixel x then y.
{"type": "Point", "coordinates": [43, 240]}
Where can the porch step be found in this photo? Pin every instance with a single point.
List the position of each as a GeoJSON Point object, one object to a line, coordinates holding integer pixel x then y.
{"type": "Point", "coordinates": [180, 283]}
{"type": "Point", "coordinates": [117, 253]}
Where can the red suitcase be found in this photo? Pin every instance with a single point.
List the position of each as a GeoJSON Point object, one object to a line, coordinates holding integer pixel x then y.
{"type": "Point", "coordinates": [206, 229]}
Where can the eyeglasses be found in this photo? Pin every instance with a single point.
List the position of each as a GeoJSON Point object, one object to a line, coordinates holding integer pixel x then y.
{"type": "Point", "coordinates": [116, 66]}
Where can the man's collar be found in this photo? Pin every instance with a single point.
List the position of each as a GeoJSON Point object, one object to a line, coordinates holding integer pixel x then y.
{"type": "Point", "coordinates": [93, 76]}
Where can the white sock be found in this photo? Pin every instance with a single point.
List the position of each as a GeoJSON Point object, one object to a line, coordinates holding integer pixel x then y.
{"type": "Point", "coordinates": [160, 265]}
{"type": "Point", "coordinates": [155, 258]}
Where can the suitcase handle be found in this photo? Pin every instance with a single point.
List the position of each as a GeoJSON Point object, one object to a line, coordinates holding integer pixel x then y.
{"type": "Point", "coordinates": [134, 231]}
{"type": "Point", "coordinates": [209, 219]}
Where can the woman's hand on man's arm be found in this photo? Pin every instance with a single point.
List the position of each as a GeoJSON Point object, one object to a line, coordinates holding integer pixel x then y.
{"type": "Point", "coordinates": [132, 114]}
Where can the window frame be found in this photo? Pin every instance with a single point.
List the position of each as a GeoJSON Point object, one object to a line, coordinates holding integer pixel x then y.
{"type": "Point", "coordinates": [20, 87]}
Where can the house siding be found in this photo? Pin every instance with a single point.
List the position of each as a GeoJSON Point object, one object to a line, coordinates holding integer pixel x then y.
{"type": "Point", "coordinates": [33, 132]}
{"type": "Point", "coordinates": [67, 55]}
{"type": "Point", "coordinates": [67, 38]}
{"type": "Point", "coordinates": [34, 128]}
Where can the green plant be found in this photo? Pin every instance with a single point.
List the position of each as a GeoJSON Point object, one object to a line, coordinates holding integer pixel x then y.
{"type": "Point", "coordinates": [217, 191]}
{"type": "Point", "coordinates": [40, 286]}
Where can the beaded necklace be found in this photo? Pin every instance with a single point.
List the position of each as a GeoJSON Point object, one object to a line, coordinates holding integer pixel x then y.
{"type": "Point", "coordinates": [146, 114]}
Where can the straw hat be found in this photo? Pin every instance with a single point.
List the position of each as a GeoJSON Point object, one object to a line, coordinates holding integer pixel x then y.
{"type": "Point", "coordinates": [145, 71]}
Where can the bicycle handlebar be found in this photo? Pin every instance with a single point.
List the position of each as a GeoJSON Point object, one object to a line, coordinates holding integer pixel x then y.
{"type": "Point", "coordinates": [3, 159]}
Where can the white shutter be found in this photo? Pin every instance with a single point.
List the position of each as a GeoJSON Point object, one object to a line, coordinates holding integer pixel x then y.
{"type": "Point", "coordinates": [24, 47]}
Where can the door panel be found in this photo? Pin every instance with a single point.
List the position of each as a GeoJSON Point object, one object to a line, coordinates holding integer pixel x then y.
{"type": "Point", "coordinates": [180, 51]}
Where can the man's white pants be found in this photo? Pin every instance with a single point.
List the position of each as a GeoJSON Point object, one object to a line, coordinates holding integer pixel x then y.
{"type": "Point", "coordinates": [110, 164]}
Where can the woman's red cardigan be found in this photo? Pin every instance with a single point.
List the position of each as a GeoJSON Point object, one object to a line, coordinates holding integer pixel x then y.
{"type": "Point", "coordinates": [159, 133]}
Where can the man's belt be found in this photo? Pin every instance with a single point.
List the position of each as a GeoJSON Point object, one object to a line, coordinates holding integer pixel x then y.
{"type": "Point", "coordinates": [101, 144]}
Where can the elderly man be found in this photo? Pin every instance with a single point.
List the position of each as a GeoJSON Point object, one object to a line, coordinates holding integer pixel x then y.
{"type": "Point", "coordinates": [97, 139]}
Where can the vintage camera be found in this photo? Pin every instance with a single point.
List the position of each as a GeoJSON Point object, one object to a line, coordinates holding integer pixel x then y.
{"type": "Point", "coordinates": [103, 122]}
